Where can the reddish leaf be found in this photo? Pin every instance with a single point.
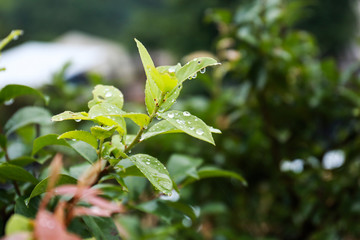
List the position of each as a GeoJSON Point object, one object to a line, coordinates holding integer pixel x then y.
{"type": "Point", "coordinates": [48, 227]}
{"type": "Point", "coordinates": [92, 211]}
{"type": "Point", "coordinates": [104, 204]}
{"type": "Point", "coordinates": [18, 236]}
{"type": "Point", "coordinates": [72, 190]}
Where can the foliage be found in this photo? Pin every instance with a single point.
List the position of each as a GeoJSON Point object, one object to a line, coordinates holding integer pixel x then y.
{"type": "Point", "coordinates": [84, 200]}
{"type": "Point", "coordinates": [285, 114]}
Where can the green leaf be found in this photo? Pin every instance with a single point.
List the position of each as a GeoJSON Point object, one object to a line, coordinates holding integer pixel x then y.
{"type": "Point", "coordinates": [153, 170]}
{"type": "Point", "coordinates": [110, 110]}
{"type": "Point", "coordinates": [102, 132]}
{"type": "Point", "coordinates": [22, 161]}
{"type": "Point", "coordinates": [107, 94]}
{"type": "Point", "coordinates": [170, 98]}
{"type": "Point", "coordinates": [28, 210]}
{"type": "Point", "coordinates": [182, 166]}
{"type": "Point", "coordinates": [165, 81]}
{"type": "Point", "coordinates": [67, 115]}
{"type": "Point", "coordinates": [152, 92]}
{"type": "Point", "coordinates": [26, 116]}
{"type": "Point", "coordinates": [190, 124]}
{"type": "Point", "coordinates": [161, 127]}
{"type": "Point", "coordinates": [145, 58]}
{"type": "Point", "coordinates": [138, 118]}
{"type": "Point", "coordinates": [40, 188]}
{"type": "Point", "coordinates": [152, 95]}
{"type": "Point", "coordinates": [84, 149]}
{"type": "Point", "coordinates": [101, 228]}
{"type": "Point", "coordinates": [13, 90]}
{"type": "Point", "coordinates": [191, 68]}
{"type": "Point", "coordinates": [105, 109]}
{"type": "Point", "coordinates": [46, 140]}
{"type": "Point", "coordinates": [13, 172]}
{"type": "Point", "coordinates": [210, 172]}
{"type": "Point", "coordinates": [82, 136]}
{"type": "Point", "coordinates": [18, 223]}
{"type": "Point", "coordinates": [119, 122]}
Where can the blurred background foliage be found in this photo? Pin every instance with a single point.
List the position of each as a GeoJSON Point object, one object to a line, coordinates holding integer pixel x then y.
{"type": "Point", "coordinates": [278, 97]}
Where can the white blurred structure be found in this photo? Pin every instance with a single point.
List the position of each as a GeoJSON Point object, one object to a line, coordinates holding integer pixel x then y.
{"type": "Point", "coordinates": [333, 159]}
{"type": "Point", "coordinates": [34, 63]}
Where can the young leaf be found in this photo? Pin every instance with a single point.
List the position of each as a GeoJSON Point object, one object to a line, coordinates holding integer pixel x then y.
{"type": "Point", "coordinates": [102, 132]}
{"type": "Point", "coordinates": [40, 188]}
{"type": "Point", "coordinates": [18, 223]}
{"type": "Point", "coordinates": [13, 90]}
{"type": "Point", "coordinates": [119, 122]}
{"type": "Point", "coordinates": [153, 170]}
{"type": "Point", "coordinates": [145, 57]}
{"type": "Point", "coordinates": [110, 110]}
{"type": "Point", "coordinates": [105, 109]}
{"type": "Point", "coordinates": [191, 68]}
{"type": "Point", "coordinates": [82, 136]}
{"type": "Point", "coordinates": [170, 98]}
{"type": "Point", "coordinates": [152, 92]}
{"type": "Point", "coordinates": [13, 172]}
{"type": "Point", "coordinates": [165, 81]}
{"type": "Point", "coordinates": [139, 118]}
{"type": "Point", "coordinates": [152, 95]}
{"type": "Point", "coordinates": [190, 124]}
{"type": "Point", "coordinates": [26, 116]}
{"type": "Point", "coordinates": [107, 94]}
{"type": "Point", "coordinates": [67, 115]}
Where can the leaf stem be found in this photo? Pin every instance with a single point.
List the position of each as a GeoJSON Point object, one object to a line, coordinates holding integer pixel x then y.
{"type": "Point", "coordinates": [142, 129]}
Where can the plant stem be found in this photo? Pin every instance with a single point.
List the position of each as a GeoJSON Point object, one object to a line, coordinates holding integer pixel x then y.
{"type": "Point", "coordinates": [142, 129]}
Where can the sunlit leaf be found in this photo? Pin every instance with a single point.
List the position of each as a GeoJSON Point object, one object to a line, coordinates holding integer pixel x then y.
{"type": "Point", "coordinates": [191, 68]}
{"type": "Point", "coordinates": [82, 136]}
{"type": "Point", "coordinates": [102, 132]}
{"type": "Point", "coordinates": [119, 122]}
{"type": "Point", "coordinates": [26, 116]}
{"type": "Point", "coordinates": [18, 223]}
{"type": "Point", "coordinates": [107, 94]}
{"type": "Point", "coordinates": [68, 115]}
{"type": "Point", "coordinates": [153, 170]}
{"type": "Point", "coordinates": [161, 127]}
{"type": "Point", "coordinates": [190, 124]}
{"type": "Point", "coordinates": [165, 81]}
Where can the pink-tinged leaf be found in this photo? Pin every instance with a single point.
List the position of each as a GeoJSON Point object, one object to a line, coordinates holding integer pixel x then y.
{"type": "Point", "coordinates": [92, 211]}
{"type": "Point", "coordinates": [72, 190]}
{"type": "Point", "coordinates": [18, 236]}
{"type": "Point", "coordinates": [48, 227]}
{"type": "Point", "coordinates": [104, 204]}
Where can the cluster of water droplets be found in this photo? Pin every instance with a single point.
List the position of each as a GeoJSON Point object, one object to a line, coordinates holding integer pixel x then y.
{"type": "Point", "coordinates": [186, 123]}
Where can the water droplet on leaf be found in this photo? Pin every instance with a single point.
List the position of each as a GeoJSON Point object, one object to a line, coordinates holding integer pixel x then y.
{"type": "Point", "coordinates": [170, 115]}
{"type": "Point", "coordinates": [108, 94]}
{"type": "Point", "coordinates": [186, 114]}
{"type": "Point", "coordinates": [195, 75]}
{"type": "Point", "coordinates": [199, 131]}
{"type": "Point", "coordinates": [77, 120]}
{"type": "Point", "coordinates": [203, 70]}
{"type": "Point", "coordinates": [9, 102]}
